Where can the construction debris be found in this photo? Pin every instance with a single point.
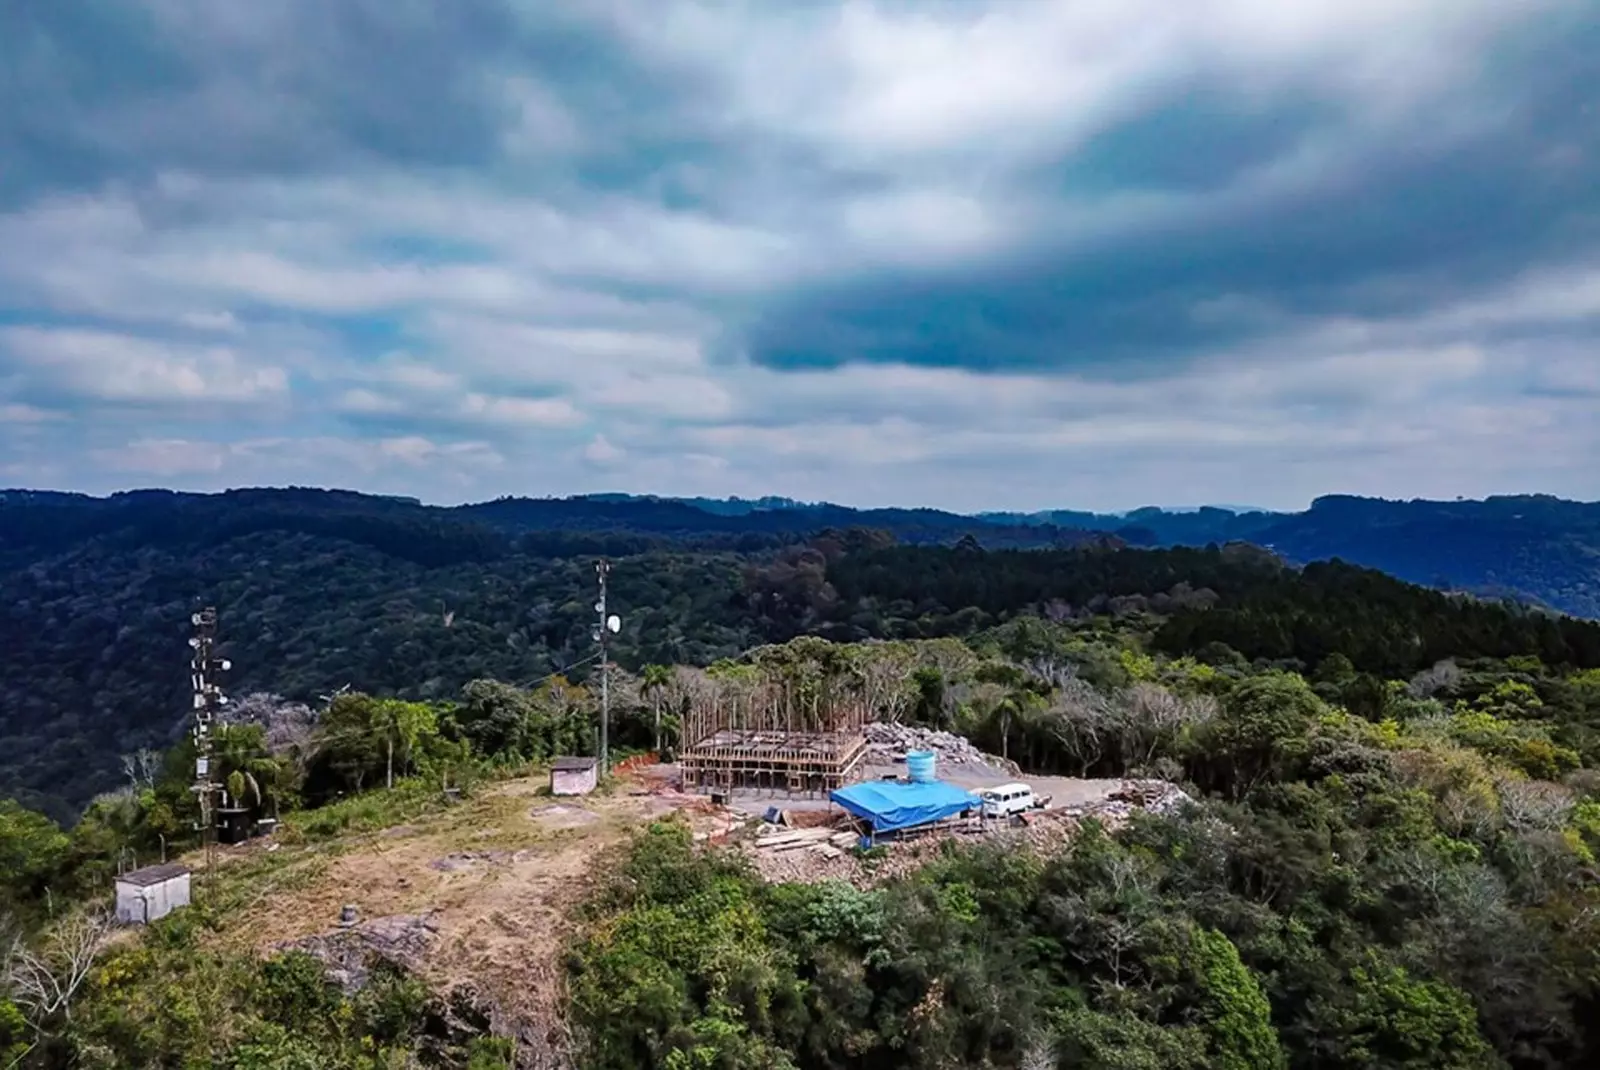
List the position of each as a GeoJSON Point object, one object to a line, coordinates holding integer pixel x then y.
{"type": "Point", "coordinates": [809, 854]}
{"type": "Point", "coordinates": [774, 838]}
{"type": "Point", "coordinates": [888, 743]}
{"type": "Point", "coordinates": [1156, 796]}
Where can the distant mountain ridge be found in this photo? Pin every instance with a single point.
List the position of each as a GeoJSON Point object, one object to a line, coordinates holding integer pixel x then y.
{"type": "Point", "coordinates": [1536, 548]}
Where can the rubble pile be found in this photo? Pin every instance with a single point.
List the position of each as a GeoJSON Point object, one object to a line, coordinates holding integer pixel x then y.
{"type": "Point", "coordinates": [1129, 797]}
{"type": "Point", "coordinates": [888, 744]}
{"type": "Point", "coordinates": [1156, 796]}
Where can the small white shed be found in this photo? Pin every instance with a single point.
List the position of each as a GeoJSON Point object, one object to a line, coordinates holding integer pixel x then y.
{"type": "Point", "coordinates": [143, 895]}
{"type": "Point", "coordinates": [574, 776]}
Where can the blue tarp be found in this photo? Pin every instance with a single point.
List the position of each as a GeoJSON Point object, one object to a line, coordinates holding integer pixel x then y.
{"type": "Point", "coordinates": [891, 805]}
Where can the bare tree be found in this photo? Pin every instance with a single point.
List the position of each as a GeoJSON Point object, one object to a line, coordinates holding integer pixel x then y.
{"type": "Point", "coordinates": [141, 768]}
{"type": "Point", "coordinates": [1040, 1052]}
{"type": "Point", "coordinates": [1151, 717]}
{"type": "Point", "coordinates": [43, 982]}
{"type": "Point", "coordinates": [1535, 805]}
{"type": "Point", "coordinates": [1057, 675]}
{"type": "Point", "coordinates": [1444, 676]}
{"type": "Point", "coordinates": [1082, 720]}
{"type": "Point", "coordinates": [288, 725]}
{"type": "Point", "coordinates": [883, 676]}
{"type": "Point", "coordinates": [1467, 813]}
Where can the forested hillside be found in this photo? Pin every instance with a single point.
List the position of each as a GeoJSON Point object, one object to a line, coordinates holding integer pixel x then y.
{"type": "Point", "coordinates": [1389, 862]}
{"type": "Point", "coordinates": [322, 589]}
{"type": "Point", "coordinates": [1375, 872]}
{"type": "Point", "coordinates": [1533, 547]}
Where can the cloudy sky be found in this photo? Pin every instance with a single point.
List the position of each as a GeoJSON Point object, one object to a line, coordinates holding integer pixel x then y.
{"type": "Point", "coordinates": [1003, 254]}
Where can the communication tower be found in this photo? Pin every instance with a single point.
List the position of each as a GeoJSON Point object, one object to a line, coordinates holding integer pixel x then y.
{"type": "Point", "coordinates": [606, 626]}
{"type": "Point", "coordinates": [208, 703]}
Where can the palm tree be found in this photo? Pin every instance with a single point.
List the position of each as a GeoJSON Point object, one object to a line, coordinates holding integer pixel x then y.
{"type": "Point", "coordinates": [252, 770]}
{"type": "Point", "coordinates": [240, 782]}
{"type": "Point", "coordinates": [654, 682]}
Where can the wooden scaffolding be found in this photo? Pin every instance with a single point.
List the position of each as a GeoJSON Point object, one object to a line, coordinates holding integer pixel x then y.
{"type": "Point", "coordinates": [774, 736]}
{"type": "Point", "coordinates": [777, 762]}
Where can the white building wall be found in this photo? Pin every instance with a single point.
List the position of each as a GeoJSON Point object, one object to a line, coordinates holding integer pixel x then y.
{"type": "Point", "coordinates": [178, 892]}
{"type": "Point", "coordinates": [137, 906]}
{"type": "Point", "coordinates": [130, 907]}
{"type": "Point", "coordinates": [573, 783]}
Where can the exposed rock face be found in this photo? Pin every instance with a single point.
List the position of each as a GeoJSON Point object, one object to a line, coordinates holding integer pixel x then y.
{"type": "Point", "coordinates": [348, 953]}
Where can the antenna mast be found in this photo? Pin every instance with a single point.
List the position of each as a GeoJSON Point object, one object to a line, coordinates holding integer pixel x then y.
{"type": "Point", "coordinates": [607, 626]}
{"type": "Point", "coordinates": [208, 703]}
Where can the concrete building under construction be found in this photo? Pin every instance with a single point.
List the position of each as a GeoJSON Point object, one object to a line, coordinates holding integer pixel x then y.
{"type": "Point", "coordinates": [765, 734]}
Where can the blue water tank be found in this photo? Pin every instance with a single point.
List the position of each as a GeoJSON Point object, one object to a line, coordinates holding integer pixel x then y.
{"type": "Point", "coordinates": [920, 765]}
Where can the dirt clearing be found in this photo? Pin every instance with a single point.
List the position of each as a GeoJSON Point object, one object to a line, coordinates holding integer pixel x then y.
{"type": "Point", "coordinates": [489, 883]}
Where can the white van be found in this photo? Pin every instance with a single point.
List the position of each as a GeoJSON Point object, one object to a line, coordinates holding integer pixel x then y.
{"type": "Point", "coordinates": [1007, 799]}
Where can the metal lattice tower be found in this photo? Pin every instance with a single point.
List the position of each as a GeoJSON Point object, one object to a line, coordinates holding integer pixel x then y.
{"type": "Point", "coordinates": [208, 703]}
{"type": "Point", "coordinates": [602, 634]}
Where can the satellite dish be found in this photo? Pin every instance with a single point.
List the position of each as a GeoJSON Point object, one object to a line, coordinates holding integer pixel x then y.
{"type": "Point", "coordinates": [599, 607]}
{"type": "Point", "coordinates": [195, 643]}
{"type": "Point", "coordinates": [613, 624]}
{"type": "Point", "coordinates": [226, 664]}
{"type": "Point", "coordinates": [194, 618]}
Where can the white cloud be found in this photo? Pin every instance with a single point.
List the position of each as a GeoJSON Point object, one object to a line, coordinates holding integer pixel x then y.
{"type": "Point", "coordinates": [521, 412]}
{"type": "Point", "coordinates": [391, 301]}
{"type": "Point", "coordinates": [883, 81]}
{"type": "Point", "coordinates": [164, 458]}
{"type": "Point", "coordinates": [109, 367]}
{"type": "Point", "coordinates": [17, 414]}
{"type": "Point", "coordinates": [600, 451]}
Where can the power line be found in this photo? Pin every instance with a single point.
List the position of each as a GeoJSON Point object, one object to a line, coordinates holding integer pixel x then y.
{"type": "Point", "coordinates": [547, 677]}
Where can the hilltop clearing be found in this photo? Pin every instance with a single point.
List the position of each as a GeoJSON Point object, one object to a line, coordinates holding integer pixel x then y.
{"type": "Point", "coordinates": [473, 898]}
{"type": "Point", "coordinates": [478, 899]}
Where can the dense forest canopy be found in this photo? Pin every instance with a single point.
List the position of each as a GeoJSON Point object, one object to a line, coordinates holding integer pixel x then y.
{"type": "Point", "coordinates": [1389, 860]}
{"type": "Point", "coordinates": [320, 590]}
{"type": "Point", "coordinates": [1532, 547]}
{"type": "Point", "coordinates": [1375, 872]}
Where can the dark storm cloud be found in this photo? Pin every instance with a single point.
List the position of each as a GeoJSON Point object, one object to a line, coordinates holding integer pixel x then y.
{"type": "Point", "coordinates": [1392, 227]}
{"type": "Point", "coordinates": [1009, 252]}
{"type": "Point", "coordinates": [123, 91]}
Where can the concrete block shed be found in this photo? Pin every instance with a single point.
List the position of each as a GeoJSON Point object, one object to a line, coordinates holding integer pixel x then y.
{"type": "Point", "coordinates": [574, 776]}
{"type": "Point", "coordinates": [143, 895]}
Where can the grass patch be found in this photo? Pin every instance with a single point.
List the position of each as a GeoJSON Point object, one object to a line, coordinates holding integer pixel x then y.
{"type": "Point", "coordinates": [370, 811]}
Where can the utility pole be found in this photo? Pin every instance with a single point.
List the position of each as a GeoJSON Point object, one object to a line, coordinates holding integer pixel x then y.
{"type": "Point", "coordinates": [602, 634]}
{"type": "Point", "coordinates": [208, 703]}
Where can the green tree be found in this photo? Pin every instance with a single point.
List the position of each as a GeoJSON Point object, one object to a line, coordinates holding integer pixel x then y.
{"type": "Point", "coordinates": [1387, 1018]}
{"type": "Point", "coordinates": [32, 850]}
{"type": "Point", "coordinates": [1260, 734]}
{"type": "Point", "coordinates": [252, 774]}
{"type": "Point", "coordinates": [402, 725]}
{"type": "Point", "coordinates": [1238, 1016]}
{"type": "Point", "coordinates": [654, 680]}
